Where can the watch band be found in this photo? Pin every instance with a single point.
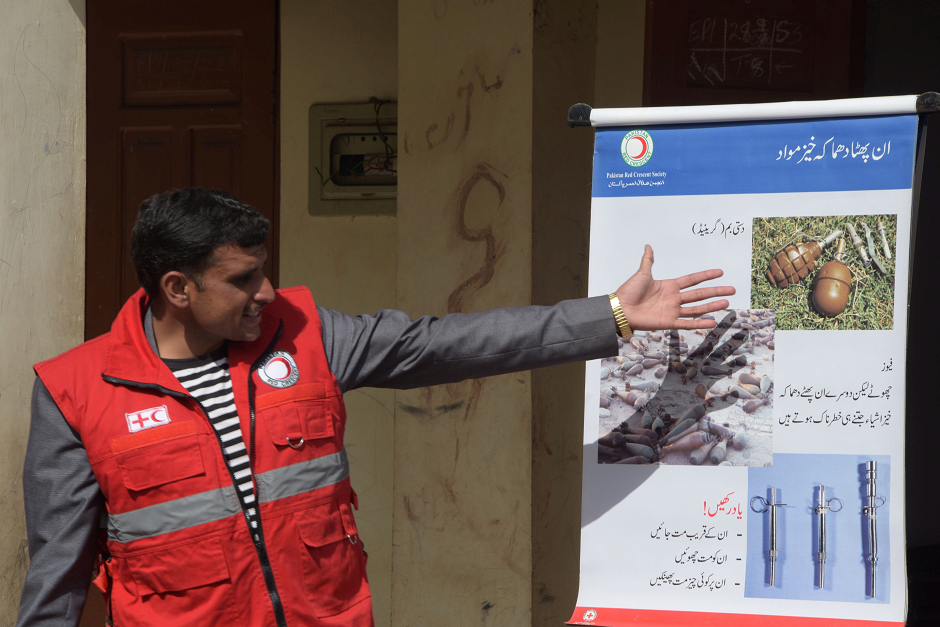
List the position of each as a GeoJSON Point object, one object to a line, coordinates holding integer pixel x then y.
{"type": "Point", "coordinates": [623, 327]}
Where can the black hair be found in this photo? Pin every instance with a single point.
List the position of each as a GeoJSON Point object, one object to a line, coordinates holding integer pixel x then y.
{"type": "Point", "coordinates": [179, 230]}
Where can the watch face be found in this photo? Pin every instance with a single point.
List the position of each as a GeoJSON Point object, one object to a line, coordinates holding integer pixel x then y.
{"type": "Point", "coordinates": [279, 370]}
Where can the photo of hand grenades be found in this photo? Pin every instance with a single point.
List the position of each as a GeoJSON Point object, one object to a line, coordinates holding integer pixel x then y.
{"type": "Point", "coordinates": [833, 284]}
{"type": "Point", "coordinates": [796, 261]}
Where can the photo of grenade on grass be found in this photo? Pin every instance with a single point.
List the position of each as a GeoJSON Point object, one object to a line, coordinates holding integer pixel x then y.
{"type": "Point", "coordinates": [825, 273]}
{"type": "Point", "coordinates": [699, 398]}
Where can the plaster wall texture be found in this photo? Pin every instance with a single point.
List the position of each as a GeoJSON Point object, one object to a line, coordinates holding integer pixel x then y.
{"type": "Point", "coordinates": [336, 51]}
{"type": "Point", "coordinates": [42, 234]}
{"type": "Point", "coordinates": [462, 528]}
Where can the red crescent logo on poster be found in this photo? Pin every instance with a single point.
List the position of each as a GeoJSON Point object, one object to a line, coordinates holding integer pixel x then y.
{"type": "Point", "coordinates": [636, 148]}
{"type": "Point", "coordinates": [634, 144]}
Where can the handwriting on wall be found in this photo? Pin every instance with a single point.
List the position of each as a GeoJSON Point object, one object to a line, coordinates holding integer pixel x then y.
{"type": "Point", "coordinates": [749, 52]}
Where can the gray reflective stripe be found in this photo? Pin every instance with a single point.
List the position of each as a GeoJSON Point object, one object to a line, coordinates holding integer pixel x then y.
{"type": "Point", "coordinates": [205, 507]}
{"type": "Point", "coordinates": [182, 513]}
{"type": "Point", "coordinates": [302, 477]}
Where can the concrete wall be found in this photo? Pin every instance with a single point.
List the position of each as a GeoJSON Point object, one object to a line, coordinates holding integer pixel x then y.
{"type": "Point", "coordinates": [462, 553]}
{"type": "Point", "coordinates": [42, 233]}
{"type": "Point", "coordinates": [343, 51]}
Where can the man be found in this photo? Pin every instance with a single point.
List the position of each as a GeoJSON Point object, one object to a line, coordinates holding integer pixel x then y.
{"type": "Point", "coordinates": [205, 431]}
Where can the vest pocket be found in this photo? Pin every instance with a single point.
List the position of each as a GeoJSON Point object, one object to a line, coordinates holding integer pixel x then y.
{"type": "Point", "coordinates": [161, 463]}
{"type": "Point", "coordinates": [185, 585]}
{"type": "Point", "coordinates": [333, 563]}
{"type": "Point", "coordinates": [181, 568]}
{"type": "Point", "coordinates": [302, 420]}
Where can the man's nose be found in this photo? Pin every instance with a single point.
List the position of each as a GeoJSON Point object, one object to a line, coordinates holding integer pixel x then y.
{"type": "Point", "coordinates": [266, 293]}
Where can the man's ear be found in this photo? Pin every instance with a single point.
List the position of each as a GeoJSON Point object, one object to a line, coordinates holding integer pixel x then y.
{"type": "Point", "coordinates": [175, 287]}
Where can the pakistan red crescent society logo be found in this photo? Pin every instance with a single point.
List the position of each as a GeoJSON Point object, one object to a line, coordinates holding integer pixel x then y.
{"type": "Point", "coordinates": [590, 615]}
{"type": "Point", "coordinates": [279, 370]}
{"type": "Point", "coordinates": [636, 148]}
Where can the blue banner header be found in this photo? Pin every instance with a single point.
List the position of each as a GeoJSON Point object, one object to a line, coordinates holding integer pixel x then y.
{"type": "Point", "coordinates": [819, 155]}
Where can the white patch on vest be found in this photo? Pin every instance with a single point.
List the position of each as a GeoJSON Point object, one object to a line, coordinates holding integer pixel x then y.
{"type": "Point", "coordinates": [147, 418]}
{"type": "Point", "coordinates": [279, 370]}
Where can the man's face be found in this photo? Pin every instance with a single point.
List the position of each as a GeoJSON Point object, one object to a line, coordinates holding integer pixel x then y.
{"type": "Point", "coordinates": [232, 291]}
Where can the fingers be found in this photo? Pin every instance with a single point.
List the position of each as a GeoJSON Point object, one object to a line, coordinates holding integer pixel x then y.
{"type": "Point", "coordinates": [700, 310]}
{"type": "Point", "coordinates": [705, 293]}
{"type": "Point", "coordinates": [689, 325]}
{"type": "Point", "coordinates": [646, 263]}
{"type": "Point", "coordinates": [698, 277]}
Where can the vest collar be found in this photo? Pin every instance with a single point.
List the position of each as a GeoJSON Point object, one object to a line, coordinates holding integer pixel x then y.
{"type": "Point", "coordinates": [130, 356]}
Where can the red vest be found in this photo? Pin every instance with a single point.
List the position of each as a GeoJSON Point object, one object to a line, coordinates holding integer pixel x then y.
{"type": "Point", "coordinates": [181, 549]}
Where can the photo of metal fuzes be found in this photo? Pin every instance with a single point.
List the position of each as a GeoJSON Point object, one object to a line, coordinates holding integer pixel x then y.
{"type": "Point", "coordinates": [822, 505]}
{"type": "Point", "coordinates": [870, 510]}
{"type": "Point", "coordinates": [820, 273]}
{"type": "Point", "coordinates": [698, 398]}
{"type": "Point", "coordinates": [765, 506]}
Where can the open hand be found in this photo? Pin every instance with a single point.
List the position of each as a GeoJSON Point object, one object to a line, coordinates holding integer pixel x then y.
{"type": "Point", "coordinates": [650, 305]}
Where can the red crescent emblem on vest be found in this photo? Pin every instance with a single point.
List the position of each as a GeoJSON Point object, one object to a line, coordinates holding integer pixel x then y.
{"type": "Point", "coordinates": [279, 370]}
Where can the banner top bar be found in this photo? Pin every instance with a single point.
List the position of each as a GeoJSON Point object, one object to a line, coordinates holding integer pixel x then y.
{"type": "Point", "coordinates": [583, 115]}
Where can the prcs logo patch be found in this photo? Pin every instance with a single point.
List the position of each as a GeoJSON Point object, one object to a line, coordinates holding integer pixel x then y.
{"type": "Point", "coordinates": [279, 370]}
{"type": "Point", "coordinates": [147, 418]}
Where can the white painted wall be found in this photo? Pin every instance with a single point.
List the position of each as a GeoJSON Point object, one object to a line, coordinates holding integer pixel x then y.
{"type": "Point", "coordinates": [42, 233]}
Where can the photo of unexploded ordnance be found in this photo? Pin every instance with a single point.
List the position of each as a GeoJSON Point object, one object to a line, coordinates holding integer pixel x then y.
{"type": "Point", "coordinates": [827, 272]}
{"type": "Point", "coordinates": [699, 398]}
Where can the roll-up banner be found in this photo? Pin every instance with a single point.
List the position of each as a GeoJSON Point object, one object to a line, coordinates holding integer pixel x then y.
{"type": "Point", "coordinates": [752, 474]}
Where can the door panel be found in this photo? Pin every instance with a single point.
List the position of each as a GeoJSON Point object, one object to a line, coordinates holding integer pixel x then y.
{"type": "Point", "coordinates": [216, 157]}
{"type": "Point", "coordinates": [146, 165]}
{"type": "Point", "coordinates": [170, 69]}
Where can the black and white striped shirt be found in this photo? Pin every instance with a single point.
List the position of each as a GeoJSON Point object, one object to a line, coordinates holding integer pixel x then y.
{"type": "Point", "coordinates": [207, 379]}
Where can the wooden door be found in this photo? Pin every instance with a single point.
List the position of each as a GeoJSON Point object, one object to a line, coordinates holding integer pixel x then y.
{"type": "Point", "coordinates": [180, 93]}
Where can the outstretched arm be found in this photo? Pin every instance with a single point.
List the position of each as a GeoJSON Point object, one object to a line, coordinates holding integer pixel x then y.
{"type": "Point", "coordinates": [390, 349]}
{"type": "Point", "coordinates": [649, 304]}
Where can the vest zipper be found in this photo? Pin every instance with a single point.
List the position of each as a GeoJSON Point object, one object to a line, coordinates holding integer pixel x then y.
{"type": "Point", "coordinates": [260, 546]}
{"type": "Point", "coordinates": [257, 534]}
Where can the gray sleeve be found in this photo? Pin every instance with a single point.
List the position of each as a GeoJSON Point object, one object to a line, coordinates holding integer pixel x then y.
{"type": "Point", "coordinates": [63, 507]}
{"type": "Point", "coordinates": [391, 350]}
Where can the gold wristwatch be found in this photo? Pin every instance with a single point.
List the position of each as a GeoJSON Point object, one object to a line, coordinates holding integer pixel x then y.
{"type": "Point", "coordinates": [623, 327]}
